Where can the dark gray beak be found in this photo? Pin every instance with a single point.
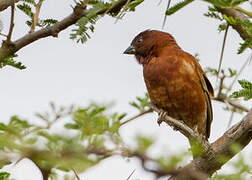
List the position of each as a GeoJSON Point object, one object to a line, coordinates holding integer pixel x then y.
{"type": "Point", "coordinates": [130, 50]}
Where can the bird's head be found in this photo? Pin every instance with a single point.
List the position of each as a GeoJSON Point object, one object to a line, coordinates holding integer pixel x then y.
{"type": "Point", "coordinates": [148, 44]}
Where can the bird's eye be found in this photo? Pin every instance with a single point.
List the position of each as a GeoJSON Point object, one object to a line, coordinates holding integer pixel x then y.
{"type": "Point", "coordinates": [139, 40]}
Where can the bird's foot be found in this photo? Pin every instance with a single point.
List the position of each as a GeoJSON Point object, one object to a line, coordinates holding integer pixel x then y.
{"type": "Point", "coordinates": [161, 116]}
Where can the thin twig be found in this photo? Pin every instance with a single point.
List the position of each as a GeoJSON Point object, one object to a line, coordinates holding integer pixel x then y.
{"type": "Point", "coordinates": [239, 73]}
{"type": "Point", "coordinates": [11, 21]}
{"type": "Point", "coordinates": [222, 52]}
{"type": "Point", "coordinates": [131, 174]}
{"type": "Point", "coordinates": [146, 159]}
{"type": "Point", "coordinates": [1, 34]}
{"type": "Point", "coordinates": [123, 10]}
{"type": "Point", "coordinates": [36, 16]}
{"type": "Point", "coordinates": [168, 5]}
{"type": "Point", "coordinates": [221, 84]}
{"type": "Point", "coordinates": [231, 102]}
{"type": "Point", "coordinates": [230, 120]}
{"type": "Point", "coordinates": [160, 1]}
{"type": "Point", "coordinates": [137, 116]}
{"type": "Point", "coordinates": [76, 175]}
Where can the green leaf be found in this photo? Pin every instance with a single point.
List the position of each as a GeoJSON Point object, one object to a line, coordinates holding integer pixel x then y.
{"type": "Point", "coordinates": [26, 9]}
{"type": "Point", "coordinates": [245, 84]}
{"type": "Point", "coordinates": [211, 71]}
{"type": "Point", "coordinates": [4, 175]}
{"type": "Point", "coordinates": [170, 163]}
{"type": "Point", "coordinates": [213, 15]}
{"type": "Point", "coordinates": [246, 44]}
{"type": "Point", "coordinates": [30, 1]}
{"type": "Point", "coordinates": [142, 103]}
{"type": "Point", "coordinates": [47, 22]}
{"type": "Point", "coordinates": [18, 123]}
{"type": "Point", "coordinates": [32, 140]}
{"type": "Point", "coordinates": [222, 27]}
{"type": "Point", "coordinates": [143, 143]}
{"type": "Point", "coordinates": [231, 20]}
{"type": "Point", "coordinates": [71, 126]}
{"type": "Point", "coordinates": [120, 117]}
{"type": "Point", "coordinates": [81, 32]}
{"type": "Point", "coordinates": [132, 5]}
{"type": "Point", "coordinates": [225, 3]}
{"type": "Point", "coordinates": [246, 25]}
{"type": "Point", "coordinates": [232, 72]}
{"type": "Point", "coordinates": [3, 127]}
{"type": "Point", "coordinates": [177, 7]}
{"type": "Point", "coordinates": [9, 61]}
{"type": "Point", "coordinates": [246, 92]}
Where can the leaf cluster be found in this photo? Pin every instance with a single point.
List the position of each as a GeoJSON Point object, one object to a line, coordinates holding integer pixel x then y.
{"type": "Point", "coordinates": [82, 145]}
{"type": "Point", "coordinates": [4, 175]}
{"type": "Point", "coordinates": [9, 61]}
{"type": "Point", "coordinates": [28, 7]}
{"type": "Point", "coordinates": [226, 3]}
{"type": "Point", "coordinates": [141, 103]}
{"type": "Point", "coordinates": [97, 9]}
{"type": "Point", "coordinates": [245, 92]}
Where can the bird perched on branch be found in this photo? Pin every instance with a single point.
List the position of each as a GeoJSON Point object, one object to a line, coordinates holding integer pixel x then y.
{"type": "Point", "coordinates": [175, 80]}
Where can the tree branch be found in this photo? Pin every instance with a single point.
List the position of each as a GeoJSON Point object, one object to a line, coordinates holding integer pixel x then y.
{"type": "Point", "coordinates": [236, 15]}
{"type": "Point", "coordinates": [249, 14]}
{"type": "Point", "coordinates": [184, 129]}
{"type": "Point", "coordinates": [9, 49]}
{"type": "Point", "coordinates": [145, 159]}
{"type": "Point", "coordinates": [11, 21]}
{"type": "Point", "coordinates": [240, 134]}
{"type": "Point", "coordinates": [36, 16]}
{"type": "Point", "coordinates": [4, 4]}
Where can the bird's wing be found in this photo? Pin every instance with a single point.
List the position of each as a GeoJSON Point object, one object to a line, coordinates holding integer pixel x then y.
{"type": "Point", "coordinates": [208, 92]}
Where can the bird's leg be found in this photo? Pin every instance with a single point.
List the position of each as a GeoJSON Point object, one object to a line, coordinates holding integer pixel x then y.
{"type": "Point", "coordinates": [161, 116]}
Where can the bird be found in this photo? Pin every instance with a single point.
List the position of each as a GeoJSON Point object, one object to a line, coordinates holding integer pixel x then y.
{"type": "Point", "coordinates": [175, 81]}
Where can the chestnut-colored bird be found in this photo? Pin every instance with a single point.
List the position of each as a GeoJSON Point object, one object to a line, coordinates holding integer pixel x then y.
{"type": "Point", "coordinates": [175, 80]}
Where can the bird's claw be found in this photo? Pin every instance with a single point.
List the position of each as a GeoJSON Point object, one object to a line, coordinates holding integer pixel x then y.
{"type": "Point", "coordinates": [161, 116]}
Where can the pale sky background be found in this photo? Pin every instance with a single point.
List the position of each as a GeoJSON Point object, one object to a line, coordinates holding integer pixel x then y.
{"type": "Point", "coordinates": [62, 71]}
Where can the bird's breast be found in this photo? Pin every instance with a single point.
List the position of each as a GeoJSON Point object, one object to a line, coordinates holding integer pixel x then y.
{"type": "Point", "coordinates": [173, 86]}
